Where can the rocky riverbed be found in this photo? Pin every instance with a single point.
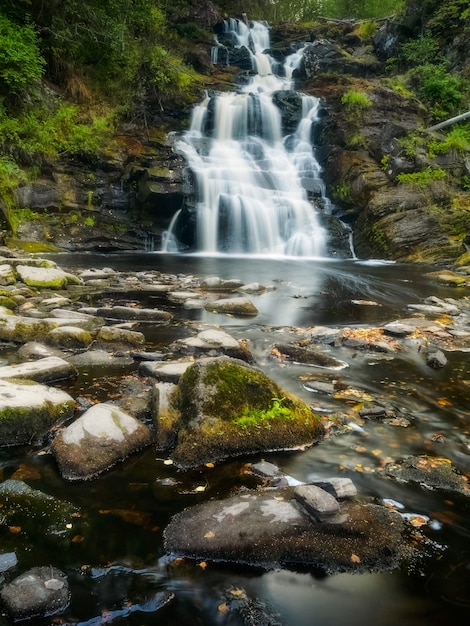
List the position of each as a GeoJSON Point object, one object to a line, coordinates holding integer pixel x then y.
{"type": "Point", "coordinates": [59, 326]}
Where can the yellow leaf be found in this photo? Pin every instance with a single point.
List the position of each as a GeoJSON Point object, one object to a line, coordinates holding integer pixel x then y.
{"type": "Point", "coordinates": [223, 607]}
{"type": "Point", "coordinates": [209, 535]}
{"type": "Point", "coordinates": [376, 452]}
{"type": "Point", "coordinates": [167, 462]}
{"type": "Point", "coordinates": [15, 530]}
{"type": "Point", "coordinates": [210, 465]}
{"type": "Point", "coordinates": [78, 539]}
{"type": "Point", "coordinates": [200, 488]}
{"type": "Point", "coordinates": [355, 558]}
{"type": "Point", "coordinates": [238, 593]}
{"type": "Point", "coordinates": [202, 565]}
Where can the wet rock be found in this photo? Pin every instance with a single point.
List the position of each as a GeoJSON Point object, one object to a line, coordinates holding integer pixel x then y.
{"type": "Point", "coordinates": [269, 473]}
{"type": "Point", "coordinates": [214, 283]}
{"type": "Point", "coordinates": [338, 487]}
{"type": "Point", "coordinates": [436, 359]}
{"type": "Point", "coordinates": [323, 334]}
{"type": "Point", "coordinates": [212, 342]}
{"type": "Point", "coordinates": [398, 329]}
{"type": "Point", "coordinates": [448, 278]}
{"type": "Point", "coordinates": [100, 358]}
{"type": "Point", "coordinates": [270, 529]}
{"type": "Point", "coordinates": [39, 515]}
{"type": "Point", "coordinates": [306, 356]}
{"type": "Point", "coordinates": [39, 592]}
{"type": "Point", "coordinates": [430, 472]}
{"type": "Point", "coordinates": [69, 338]}
{"type": "Point", "coordinates": [7, 561]}
{"type": "Point", "coordinates": [166, 417]}
{"type": "Point", "coordinates": [29, 410]}
{"type": "Point", "coordinates": [373, 412]}
{"type": "Point", "coordinates": [97, 440]}
{"type": "Point", "coordinates": [229, 408]}
{"type": "Point", "coordinates": [242, 307]}
{"type": "Point", "coordinates": [317, 502]}
{"type": "Point", "coordinates": [7, 274]}
{"type": "Point", "coordinates": [47, 370]}
{"type": "Point", "coordinates": [166, 371]}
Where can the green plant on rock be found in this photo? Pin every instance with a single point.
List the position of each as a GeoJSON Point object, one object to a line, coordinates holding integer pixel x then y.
{"type": "Point", "coordinates": [354, 101]}
{"type": "Point", "coordinates": [424, 178]}
{"type": "Point", "coordinates": [421, 51]}
{"type": "Point", "coordinates": [367, 29]}
{"type": "Point", "coordinates": [456, 139]}
{"type": "Point", "coordinates": [259, 417]}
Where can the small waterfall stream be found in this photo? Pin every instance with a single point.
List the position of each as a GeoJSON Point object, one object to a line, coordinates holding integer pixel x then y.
{"type": "Point", "coordinates": [251, 180]}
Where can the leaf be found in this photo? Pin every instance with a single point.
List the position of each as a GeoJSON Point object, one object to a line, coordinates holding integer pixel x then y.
{"type": "Point", "coordinates": [167, 462]}
{"type": "Point", "coordinates": [209, 535]}
{"type": "Point", "coordinates": [200, 488]}
{"type": "Point", "coordinates": [223, 607]}
{"type": "Point", "coordinates": [211, 465]}
{"type": "Point", "coordinates": [15, 530]}
{"type": "Point", "coordinates": [202, 565]}
{"type": "Point", "coordinates": [78, 539]}
{"type": "Point", "coordinates": [238, 593]}
{"type": "Point", "coordinates": [355, 558]}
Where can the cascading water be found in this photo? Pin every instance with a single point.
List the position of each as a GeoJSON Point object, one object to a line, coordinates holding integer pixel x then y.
{"type": "Point", "coordinates": [250, 181]}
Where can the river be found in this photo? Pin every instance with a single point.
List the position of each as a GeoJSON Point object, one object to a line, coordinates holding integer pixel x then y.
{"type": "Point", "coordinates": [122, 560]}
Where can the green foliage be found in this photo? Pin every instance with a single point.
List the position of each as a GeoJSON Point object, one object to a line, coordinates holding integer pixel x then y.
{"type": "Point", "coordinates": [421, 51]}
{"type": "Point", "coordinates": [21, 63]}
{"type": "Point", "coordinates": [424, 178]}
{"type": "Point", "coordinates": [342, 192]}
{"type": "Point", "coordinates": [367, 29]}
{"type": "Point", "coordinates": [456, 139]}
{"type": "Point", "coordinates": [259, 417]}
{"type": "Point", "coordinates": [355, 101]}
{"type": "Point", "coordinates": [440, 89]}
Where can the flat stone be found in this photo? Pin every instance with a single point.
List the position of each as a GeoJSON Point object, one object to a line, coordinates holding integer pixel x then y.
{"type": "Point", "coordinates": [338, 487]}
{"type": "Point", "coordinates": [133, 313]}
{"type": "Point", "coordinates": [43, 277]}
{"type": "Point", "coordinates": [317, 501]}
{"type": "Point", "coordinates": [165, 371]}
{"type": "Point", "coordinates": [69, 337]}
{"type": "Point", "coordinates": [112, 337]}
{"type": "Point", "coordinates": [398, 329]}
{"type": "Point", "coordinates": [47, 370]}
{"type": "Point", "coordinates": [242, 307]}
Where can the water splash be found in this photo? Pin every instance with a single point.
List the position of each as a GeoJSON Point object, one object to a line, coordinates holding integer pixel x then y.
{"type": "Point", "coordinates": [249, 179]}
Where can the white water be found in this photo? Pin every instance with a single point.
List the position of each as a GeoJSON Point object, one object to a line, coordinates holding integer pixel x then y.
{"type": "Point", "coordinates": [251, 181]}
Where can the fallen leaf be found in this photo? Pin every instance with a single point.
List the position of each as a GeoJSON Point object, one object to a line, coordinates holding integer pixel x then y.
{"type": "Point", "coordinates": [15, 530]}
{"type": "Point", "coordinates": [78, 539]}
{"type": "Point", "coordinates": [200, 488]}
{"type": "Point", "coordinates": [210, 465]}
{"type": "Point", "coordinates": [209, 535]}
{"type": "Point", "coordinates": [238, 593]}
{"type": "Point", "coordinates": [167, 462]}
{"type": "Point", "coordinates": [355, 558]}
{"type": "Point", "coordinates": [202, 565]}
{"type": "Point", "coordinates": [223, 607]}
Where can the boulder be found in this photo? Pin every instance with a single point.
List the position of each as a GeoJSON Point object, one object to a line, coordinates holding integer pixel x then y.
{"type": "Point", "coordinates": [131, 313]}
{"type": "Point", "coordinates": [39, 592]}
{"type": "Point", "coordinates": [97, 440]}
{"type": "Point", "coordinates": [165, 371]}
{"type": "Point", "coordinates": [228, 408]}
{"type": "Point", "coordinates": [271, 529]}
{"type": "Point", "coordinates": [46, 370]}
{"type": "Point", "coordinates": [29, 410]}
{"type": "Point", "coordinates": [307, 356]}
{"type": "Point", "coordinates": [212, 342]}
{"type": "Point", "coordinates": [69, 337]}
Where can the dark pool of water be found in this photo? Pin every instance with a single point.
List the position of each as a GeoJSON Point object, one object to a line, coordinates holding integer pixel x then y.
{"type": "Point", "coordinates": [119, 560]}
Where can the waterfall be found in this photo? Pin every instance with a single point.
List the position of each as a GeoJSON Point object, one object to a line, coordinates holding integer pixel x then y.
{"type": "Point", "coordinates": [250, 179]}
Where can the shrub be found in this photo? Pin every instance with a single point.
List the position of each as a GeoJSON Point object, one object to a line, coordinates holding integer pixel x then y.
{"type": "Point", "coordinates": [355, 100]}
{"type": "Point", "coordinates": [424, 178]}
{"type": "Point", "coordinates": [21, 64]}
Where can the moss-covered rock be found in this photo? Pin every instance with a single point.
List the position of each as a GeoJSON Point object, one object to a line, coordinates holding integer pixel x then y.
{"type": "Point", "coordinates": [229, 408]}
{"type": "Point", "coordinates": [28, 410]}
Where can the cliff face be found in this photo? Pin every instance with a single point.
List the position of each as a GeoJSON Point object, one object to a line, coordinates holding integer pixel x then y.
{"type": "Point", "coordinates": [370, 143]}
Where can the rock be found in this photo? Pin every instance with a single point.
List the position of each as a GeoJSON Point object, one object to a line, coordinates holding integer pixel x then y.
{"type": "Point", "coordinates": [241, 307]}
{"type": "Point", "coordinates": [47, 370]}
{"type": "Point", "coordinates": [323, 334]}
{"type": "Point", "coordinates": [35, 350]}
{"type": "Point", "coordinates": [166, 371]}
{"type": "Point", "coordinates": [448, 278]}
{"type": "Point", "coordinates": [69, 338]}
{"type": "Point", "coordinates": [398, 329]}
{"type": "Point", "coordinates": [166, 417]}
{"type": "Point", "coordinates": [373, 412]}
{"type": "Point", "coordinates": [229, 408]}
{"type": "Point", "coordinates": [7, 275]}
{"type": "Point", "coordinates": [269, 473]}
{"type": "Point", "coordinates": [40, 516]}
{"type": "Point", "coordinates": [114, 339]}
{"type": "Point", "coordinates": [307, 356]}
{"type": "Point", "coordinates": [317, 502]}
{"type": "Point", "coordinates": [270, 529]}
{"type": "Point", "coordinates": [436, 359]}
{"type": "Point", "coordinates": [45, 278]}
{"type": "Point", "coordinates": [338, 487]}
{"type": "Point", "coordinates": [133, 313]}
{"type": "Point", "coordinates": [39, 592]}
{"type": "Point", "coordinates": [212, 342]}
{"type": "Point", "coordinates": [100, 358]}
{"type": "Point", "coordinates": [29, 410]}
{"type": "Point", "coordinates": [7, 561]}
{"type": "Point", "coordinates": [97, 440]}
{"type": "Point", "coordinates": [430, 472]}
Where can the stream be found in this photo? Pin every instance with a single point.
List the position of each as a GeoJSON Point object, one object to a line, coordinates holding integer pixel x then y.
{"type": "Point", "coordinates": [121, 561]}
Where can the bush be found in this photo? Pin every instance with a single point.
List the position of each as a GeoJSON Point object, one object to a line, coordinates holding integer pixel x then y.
{"type": "Point", "coordinates": [21, 63]}
{"type": "Point", "coordinates": [355, 100]}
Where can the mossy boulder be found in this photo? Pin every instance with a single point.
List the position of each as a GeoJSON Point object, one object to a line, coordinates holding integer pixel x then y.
{"type": "Point", "coordinates": [28, 410]}
{"type": "Point", "coordinates": [45, 277]}
{"type": "Point", "coordinates": [228, 408]}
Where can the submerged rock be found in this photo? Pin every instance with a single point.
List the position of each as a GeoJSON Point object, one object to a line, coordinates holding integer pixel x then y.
{"type": "Point", "coordinates": [39, 516]}
{"type": "Point", "coordinates": [97, 440]}
{"type": "Point", "coordinates": [39, 592]}
{"type": "Point", "coordinates": [227, 408]}
{"type": "Point", "coordinates": [307, 356]}
{"type": "Point", "coordinates": [271, 529]}
{"type": "Point", "coordinates": [431, 472]}
{"type": "Point", "coordinates": [242, 307]}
